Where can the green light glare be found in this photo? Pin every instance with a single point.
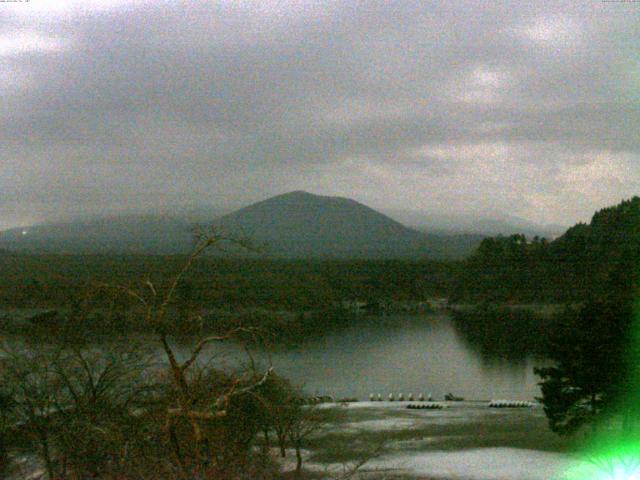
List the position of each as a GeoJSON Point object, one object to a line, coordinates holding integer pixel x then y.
{"type": "Point", "coordinates": [634, 354]}
{"type": "Point", "coordinates": [612, 459]}
{"type": "Point", "coordinates": [614, 452]}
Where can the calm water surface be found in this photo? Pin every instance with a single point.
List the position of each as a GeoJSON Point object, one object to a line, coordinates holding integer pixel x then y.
{"type": "Point", "coordinates": [405, 354]}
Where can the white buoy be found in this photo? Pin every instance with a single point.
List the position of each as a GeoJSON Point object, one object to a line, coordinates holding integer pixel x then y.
{"type": "Point", "coordinates": [391, 397]}
{"type": "Point", "coordinates": [371, 397]}
{"type": "Point", "coordinates": [421, 397]}
{"type": "Point", "coordinates": [430, 398]}
{"type": "Point", "coordinates": [379, 397]}
{"type": "Point", "coordinates": [510, 404]}
{"type": "Point", "coordinates": [410, 397]}
{"type": "Point", "coordinates": [400, 397]}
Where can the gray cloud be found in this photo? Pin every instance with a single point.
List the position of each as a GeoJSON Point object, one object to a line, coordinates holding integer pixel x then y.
{"type": "Point", "coordinates": [530, 110]}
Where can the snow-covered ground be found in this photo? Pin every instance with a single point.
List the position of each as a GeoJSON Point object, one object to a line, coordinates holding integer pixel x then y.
{"type": "Point", "coordinates": [464, 441]}
{"type": "Point", "coordinates": [474, 464]}
{"type": "Point", "coordinates": [381, 424]}
{"type": "Point", "coordinates": [478, 464]}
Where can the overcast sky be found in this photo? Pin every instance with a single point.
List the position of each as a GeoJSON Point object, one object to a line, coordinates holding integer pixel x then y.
{"type": "Point", "coordinates": [529, 108]}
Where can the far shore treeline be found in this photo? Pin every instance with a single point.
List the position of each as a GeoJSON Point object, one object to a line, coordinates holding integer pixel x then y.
{"type": "Point", "coordinates": [592, 259]}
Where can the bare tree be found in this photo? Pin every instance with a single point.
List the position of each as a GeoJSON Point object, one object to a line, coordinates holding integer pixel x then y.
{"type": "Point", "coordinates": [34, 393]}
{"type": "Point", "coordinates": [349, 470]}
{"type": "Point", "coordinates": [75, 405]}
{"type": "Point", "coordinates": [189, 407]}
{"type": "Point", "coordinates": [307, 421]}
{"type": "Point", "coordinates": [6, 421]}
{"type": "Point", "coordinates": [101, 392]}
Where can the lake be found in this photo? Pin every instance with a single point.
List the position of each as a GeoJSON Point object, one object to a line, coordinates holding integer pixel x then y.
{"type": "Point", "coordinates": [408, 354]}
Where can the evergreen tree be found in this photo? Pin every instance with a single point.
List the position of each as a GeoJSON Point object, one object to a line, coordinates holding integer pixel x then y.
{"type": "Point", "coordinates": [594, 375]}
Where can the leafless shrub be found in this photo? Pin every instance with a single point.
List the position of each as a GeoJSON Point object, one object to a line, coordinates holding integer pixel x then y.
{"type": "Point", "coordinates": [191, 422]}
{"type": "Point", "coordinates": [110, 412]}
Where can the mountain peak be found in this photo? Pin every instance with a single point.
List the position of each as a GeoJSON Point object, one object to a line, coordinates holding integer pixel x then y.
{"type": "Point", "coordinates": [303, 224]}
{"type": "Point", "coordinates": [303, 194]}
{"type": "Point", "coordinates": [298, 193]}
{"type": "Point", "coordinates": [303, 197]}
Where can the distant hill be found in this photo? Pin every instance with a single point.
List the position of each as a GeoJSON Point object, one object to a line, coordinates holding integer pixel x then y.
{"type": "Point", "coordinates": [110, 234]}
{"type": "Point", "coordinates": [481, 224]}
{"type": "Point", "coordinates": [292, 225]}
{"type": "Point", "coordinates": [300, 224]}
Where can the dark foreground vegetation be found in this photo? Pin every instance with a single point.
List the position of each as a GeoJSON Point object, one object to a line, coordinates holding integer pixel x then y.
{"type": "Point", "coordinates": [77, 411]}
{"type": "Point", "coordinates": [74, 409]}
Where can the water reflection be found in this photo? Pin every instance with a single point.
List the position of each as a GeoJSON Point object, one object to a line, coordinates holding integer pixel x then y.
{"type": "Point", "coordinates": [405, 354]}
{"type": "Point", "coordinates": [408, 354]}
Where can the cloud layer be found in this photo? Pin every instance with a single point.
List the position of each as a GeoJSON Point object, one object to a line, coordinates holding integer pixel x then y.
{"type": "Point", "coordinates": [454, 107]}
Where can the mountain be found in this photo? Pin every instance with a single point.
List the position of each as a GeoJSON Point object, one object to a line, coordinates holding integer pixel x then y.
{"type": "Point", "coordinates": [301, 224]}
{"type": "Point", "coordinates": [292, 225]}
{"type": "Point", "coordinates": [108, 234]}
{"type": "Point", "coordinates": [480, 224]}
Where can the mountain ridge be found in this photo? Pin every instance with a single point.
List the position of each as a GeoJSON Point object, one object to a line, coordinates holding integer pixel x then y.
{"type": "Point", "coordinates": [295, 224]}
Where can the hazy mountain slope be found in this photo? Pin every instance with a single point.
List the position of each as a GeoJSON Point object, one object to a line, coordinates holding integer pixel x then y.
{"type": "Point", "coordinates": [292, 225]}
{"type": "Point", "coordinates": [481, 224]}
{"type": "Point", "coordinates": [113, 234]}
{"type": "Point", "coordinates": [300, 224]}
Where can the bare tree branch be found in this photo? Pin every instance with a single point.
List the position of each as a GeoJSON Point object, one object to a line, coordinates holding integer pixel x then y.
{"type": "Point", "coordinates": [214, 338]}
